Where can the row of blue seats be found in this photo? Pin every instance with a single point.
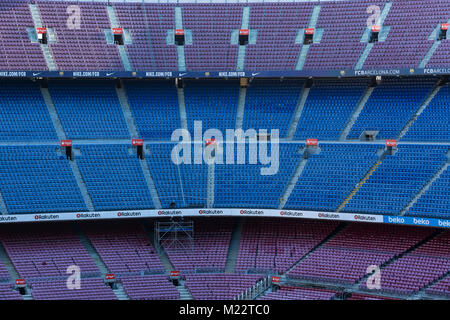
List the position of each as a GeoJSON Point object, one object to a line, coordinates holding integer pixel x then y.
{"type": "Point", "coordinates": [115, 180]}
{"type": "Point", "coordinates": [91, 109]}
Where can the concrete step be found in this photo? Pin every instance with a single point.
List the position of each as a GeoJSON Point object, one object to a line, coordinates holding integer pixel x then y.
{"type": "Point", "coordinates": [182, 108]}
{"type": "Point", "coordinates": [245, 18]}
{"type": "Point", "coordinates": [150, 184]}
{"type": "Point", "coordinates": [241, 58]}
{"type": "Point", "coordinates": [181, 58]}
{"type": "Point", "coordinates": [178, 18]}
{"type": "Point", "coordinates": [302, 57]}
{"type": "Point", "coordinates": [126, 110]}
{"type": "Point", "coordinates": [362, 102]}
{"type": "Point", "coordinates": [53, 114]}
{"type": "Point", "coordinates": [324, 241]}
{"type": "Point", "coordinates": [298, 113]}
{"type": "Point", "coordinates": [292, 182]}
{"type": "Point", "coordinates": [113, 21]}
{"type": "Point", "coordinates": [112, 16]}
{"type": "Point", "coordinates": [363, 56]}
{"type": "Point", "coordinates": [124, 57]}
{"type": "Point", "coordinates": [210, 185]}
{"type": "Point", "coordinates": [3, 208]}
{"type": "Point", "coordinates": [360, 184]}
{"type": "Point", "coordinates": [241, 108]}
{"type": "Point", "coordinates": [425, 188]}
{"type": "Point", "coordinates": [233, 249]}
{"type": "Point", "coordinates": [48, 57]}
{"type": "Point", "coordinates": [91, 250]}
{"type": "Point", "coordinates": [149, 230]}
{"type": "Point", "coordinates": [81, 185]}
{"type": "Point", "coordinates": [185, 294]}
{"type": "Point", "coordinates": [419, 111]}
{"type": "Point", "coordinates": [120, 292]}
{"type": "Point", "coordinates": [6, 260]}
{"type": "Point", "coordinates": [314, 16]}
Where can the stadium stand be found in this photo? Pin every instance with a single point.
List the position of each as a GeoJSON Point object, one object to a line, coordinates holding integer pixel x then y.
{"type": "Point", "coordinates": [340, 46]}
{"type": "Point", "coordinates": [154, 105]}
{"type": "Point", "coordinates": [91, 289]}
{"type": "Point", "coordinates": [37, 179]}
{"type": "Point", "coordinates": [276, 48]}
{"type": "Point", "coordinates": [219, 286]}
{"type": "Point", "coordinates": [211, 47]}
{"type": "Point", "coordinates": [328, 177]}
{"type": "Point", "coordinates": [154, 287]}
{"type": "Point", "coordinates": [88, 109]}
{"type": "Point", "coordinates": [17, 51]}
{"type": "Point", "coordinates": [402, 95]}
{"type": "Point", "coordinates": [40, 251]}
{"type": "Point", "coordinates": [214, 103]}
{"type": "Point", "coordinates": [345, 258]}
{"type": "Point", "coordinates": [243, 185]}
{"type": "Point", "coordinates": [440, 289]}
{"type": "Point", "coordinates": [328, 108]}
{"type": "Point", "coordinates": [23, 114]}
{"type": "Point", "coordinates": [113, 177]}
{"type": "Point", "coordinates": [7, 292]}
{"type": "Point", "coordinates": [432, 124]}
{"type": "Point", "coordinates": [435, 202]}
{"type": "Point", "coordinates": [40, 256]}
{"type": "Point", "coordinates": [272, 245]}
{"type": "Point", "coordinates": [281, 96]}
{"type": "Point", "coordinates": [208, 252]}
{"type": "Point", "coordinates": [82, 48]}
{"type": "Point", "coordinates": [124, 248]}
{"type": "Point", "coordinates": [406, 47]}
{"type": "Point", "coordinates": [148, 25]}
{"type": "Point", "coordinates": [226, 258]}
{"type": "Point", "coordinates": [178, 186]}
{"type": "Point", "coordinates": [296, 293]}
{"type": "Point", "coordinates": [418, 268]}
{"type": "Point", "coordinates": [412, 166]}
{"type": "Point", "coordinates": [277, 28]}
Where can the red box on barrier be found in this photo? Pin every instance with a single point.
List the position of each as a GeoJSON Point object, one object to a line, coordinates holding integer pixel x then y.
{"type": "Point", "coordinates": [65, 143]}
{"type": "Point", "coordinates": [137, 142]}
{"type": "Point", "coordinates": [243, 32]}
{"type": "Point", "coordinates": [375, 28]}
{"type": "Point", "coordinates": [312, 142]}
{"type": "Point", "coordinates": [391, 143]}
{"type": "Point", "coordinates": [117, 30]}
{"type": "Point", "coordinates": [179, 32]}
{"type": "Point", "coordinates": [309, 31]}
{"type": "Point", "coordinates": [110, 276]}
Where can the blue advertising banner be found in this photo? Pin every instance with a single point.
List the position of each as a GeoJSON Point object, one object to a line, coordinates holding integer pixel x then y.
{"type": "Point", "coordinates": [417, 221]}
{"type": "Point", "coordinates": [223, 74]}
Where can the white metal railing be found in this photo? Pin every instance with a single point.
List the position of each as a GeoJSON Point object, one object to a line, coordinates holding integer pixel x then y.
{"type": "Point", "coordinates": [254, 291]}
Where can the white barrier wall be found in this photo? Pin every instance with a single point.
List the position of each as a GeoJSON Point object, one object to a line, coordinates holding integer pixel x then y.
{"type": "Point", "coordinates": [125, 214]}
